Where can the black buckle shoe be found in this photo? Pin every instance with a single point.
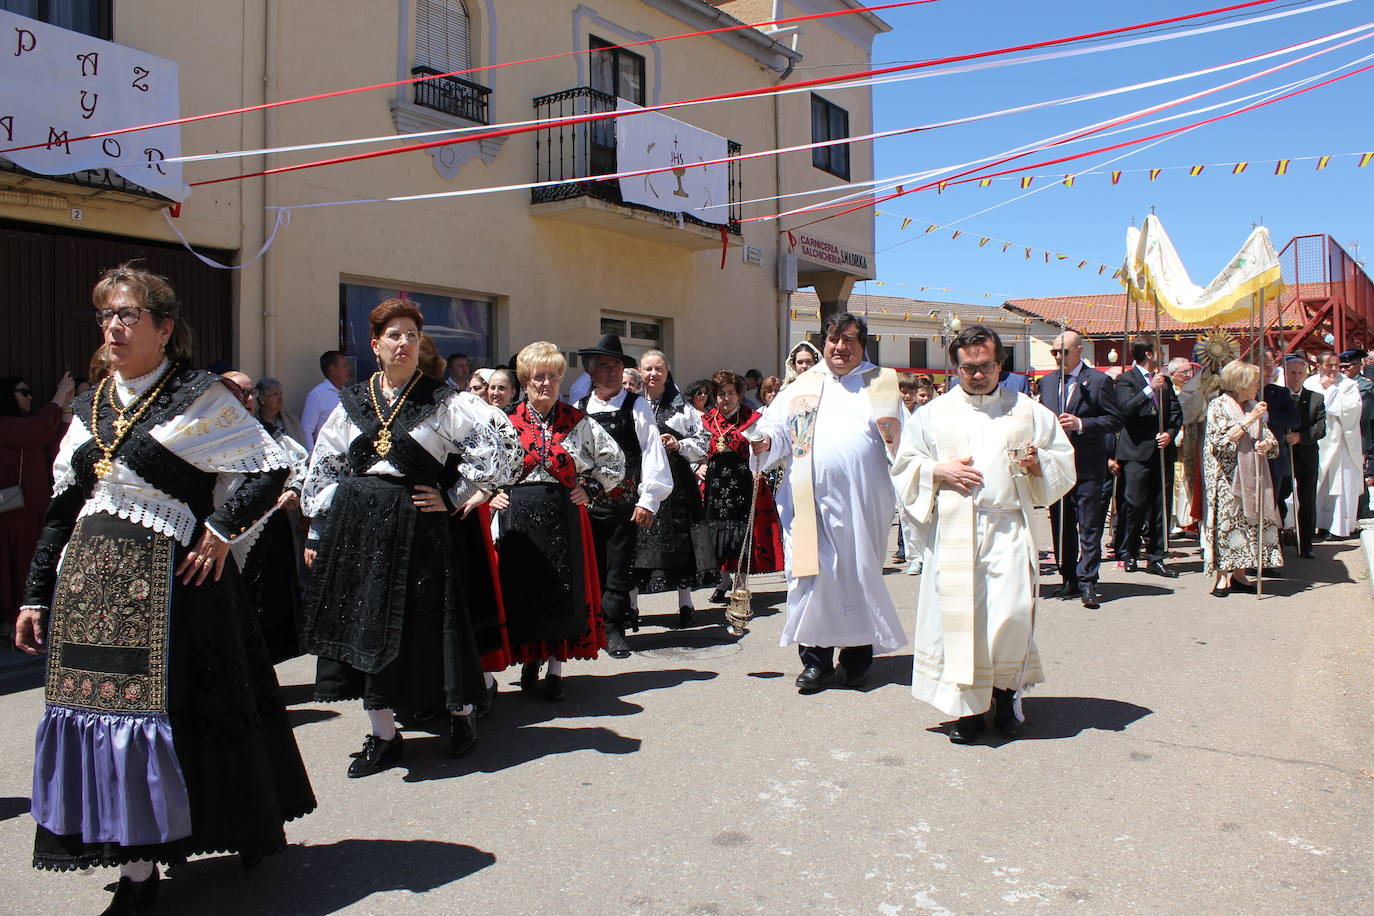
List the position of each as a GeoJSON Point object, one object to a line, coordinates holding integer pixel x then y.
{"type": "Point", "coordinates": [1090, 597]}
{"type": "Point", "coordinates": [462, 734]}
{"type": "Point", "coordinates": [529, 677]}
{"type": "Point", "coordinates": [553, 687]}
{"type": "Point", "coordinates": [812, 679]}
{"type": "Point", "coordinates": [684, 617]}
{"type": "Point", "coordinates": [718, 596]}
{"type": "Point", "coordinates": [966, 730]}
{"type": "Point", "coordinates": [488, 699]}
{"type": "Point", "coordinates": [1157, 568]}
{"type": "Point", "coordinates": [132, 897]}
{"type": "Point", "coordinates": [377, 755]}
{"type": "Point", "coordinates": [616, 646]}
{"type": "Point", "coordinates": [1004, 719]}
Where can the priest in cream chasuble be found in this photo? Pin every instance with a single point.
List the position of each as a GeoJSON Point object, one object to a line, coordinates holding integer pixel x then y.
{"type": "Point", "coordinates": [971, 467]}
{"type": "Point", "coordinates": [836, 428]}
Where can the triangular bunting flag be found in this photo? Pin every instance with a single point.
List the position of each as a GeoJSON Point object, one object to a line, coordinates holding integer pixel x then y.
{"type": "Point", "coordinates": [1100, 268]}
{"type": "Point", "coordinates": [1322, 162]}
{"type": "Point", "coordinates": [1364, 160]}
{"type": "Point", "coordinates": [1081, 264]}
{"type": "Point", "coordinates": [1068, 181]}
{"type": "Point", "coordinates": [1282, 167]}
{"type": "Point", "coordinates": [1027, 253]}
{"type": "Point", "coordinates": [983, 241]}
{"type": "Point", "coordinates": [957, 233]}
{"type": "Point", "coordinates": [940, 188]}
{"type": "Point", "coordinates": [1154, 173]}
{"type": "Point", "coordinates": [985, 182]}
{"type": "Point", "coordinates": [1005, 246]}
{"type": "Point", "coordinates": [906, 222]}
{"type": "Point", "coordinates": [931, 228]}
{"type": "Point", "coordinates": [1239, 167]}
{"type": "Point", "coordinates": [1116, 176]}
{"type": "Point", "coordinates": [1026, 181]}
{"type": "Point", "coordinates": [1196, 171]}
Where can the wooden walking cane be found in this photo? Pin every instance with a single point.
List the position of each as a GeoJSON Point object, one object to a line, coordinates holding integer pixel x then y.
{"type": "Point", "coordinates": [1297, 503]}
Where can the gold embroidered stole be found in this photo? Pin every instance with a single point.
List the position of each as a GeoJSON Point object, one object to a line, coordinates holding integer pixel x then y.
{"type": "Point", "coordinates": [958, 530]}
{"type": "Point", "coordinates": [803, 406]}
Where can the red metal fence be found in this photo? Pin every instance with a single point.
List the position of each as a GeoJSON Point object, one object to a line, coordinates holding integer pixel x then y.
{"type": "Point", "coordinates": [1330, 298]}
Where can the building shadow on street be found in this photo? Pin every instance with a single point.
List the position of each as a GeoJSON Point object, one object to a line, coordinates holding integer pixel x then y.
{"type": "Point", "coordinates": [427, 757]}
{"type": "Point", "coordinates": [12, 807]}
{"type": "Point", "coordinates": [1117, 590]}
{"type": "Point", "coordinates": [317, 880]}
{"type": "Point", "coordinates": [1052, 718]}
{"type": "Point", "coordinates": [309, 716]}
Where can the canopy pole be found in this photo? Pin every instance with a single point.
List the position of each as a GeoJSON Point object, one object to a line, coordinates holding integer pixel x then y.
{"type": "Point", "coordinates": [1259, 475]}
{"type": "Point", "coordinates": [1165, 491]}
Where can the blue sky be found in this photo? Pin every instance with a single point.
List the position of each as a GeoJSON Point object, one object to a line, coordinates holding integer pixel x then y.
{"type": "Point", "coordinates": [1207, 216]}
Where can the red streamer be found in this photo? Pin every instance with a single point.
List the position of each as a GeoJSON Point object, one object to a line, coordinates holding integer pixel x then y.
{"type": "Point", "coordinates": [742, 94]}
{"type": "Point", "coordinates": [434, 76]}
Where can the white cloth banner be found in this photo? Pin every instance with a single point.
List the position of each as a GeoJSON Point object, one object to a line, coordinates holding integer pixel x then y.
{"type": "Point", "coordinates": [60, 84]}
{"type": "Point", "coordinates": [1154, 269]}
{"type": "Point", "coordinates": [654, 141]}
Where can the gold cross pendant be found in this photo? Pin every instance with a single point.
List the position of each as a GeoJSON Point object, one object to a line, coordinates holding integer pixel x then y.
{"type": "Point", "coordinates": [121, 427]}
{"type": "Point", "coordinates": [103, 467]}
{"type": "Point", "coordinates": [384, 443]}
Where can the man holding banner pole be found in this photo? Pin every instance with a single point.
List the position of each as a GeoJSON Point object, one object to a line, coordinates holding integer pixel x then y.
{"type": "Point", "coordinates": [836, 427]}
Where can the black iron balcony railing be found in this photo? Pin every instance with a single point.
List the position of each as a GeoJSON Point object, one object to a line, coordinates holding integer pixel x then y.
{"type": "Point", "coordinates": [572, 151]}
{"type": "Point", "coordinates": [451, 95]}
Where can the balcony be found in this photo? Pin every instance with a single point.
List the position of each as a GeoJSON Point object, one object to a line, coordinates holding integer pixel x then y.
{"type": "Point", "coordinates": [451, 95]}
{"type": "Point", "coordinates": [580, 151]}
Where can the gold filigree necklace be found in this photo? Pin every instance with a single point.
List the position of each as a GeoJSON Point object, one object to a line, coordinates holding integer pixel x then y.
{"type": "Point", "coordinates": [125, 418]}
{"type": "Point", "coordinates": [383, 443]}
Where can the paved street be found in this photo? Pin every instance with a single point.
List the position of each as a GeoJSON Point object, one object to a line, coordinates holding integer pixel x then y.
{"type": "Point", "coordinates": [1187, 755]}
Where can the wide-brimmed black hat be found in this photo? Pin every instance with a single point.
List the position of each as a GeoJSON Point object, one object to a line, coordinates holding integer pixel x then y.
{"type": "Point", "coordinates": [608, 345]}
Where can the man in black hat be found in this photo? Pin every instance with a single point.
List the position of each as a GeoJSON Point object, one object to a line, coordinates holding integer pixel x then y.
{"type": "Point", "coordinates": [616, 514]}
{"type": "Point", "coordinates": [1352, 362]}
{"type": "Point", "coordinates": [1302, 440]}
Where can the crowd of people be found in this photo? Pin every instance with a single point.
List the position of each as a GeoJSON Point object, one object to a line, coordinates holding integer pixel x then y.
{"type": "Point", "coordinates": [428, 527]}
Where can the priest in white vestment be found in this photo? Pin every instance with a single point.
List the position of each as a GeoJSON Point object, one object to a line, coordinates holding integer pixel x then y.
{"type": "Point", "coordinates": [1340, 454]}
{"type": "Point", "coordinates": [836, 427]}
{"type": "Point", "coordinates": [971, 466]}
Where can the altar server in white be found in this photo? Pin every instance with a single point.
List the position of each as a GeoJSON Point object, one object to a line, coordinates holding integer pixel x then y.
{"type": "Point", "coordinates": [971, 466]}
{"type": "Point", "coordinates": [1340, 454]}
{"type": "Point", "coordinates": [836, 427]}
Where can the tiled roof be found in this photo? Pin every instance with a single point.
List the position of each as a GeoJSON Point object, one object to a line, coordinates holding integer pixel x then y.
{"type": "Point", "coordinates": [806, 301]}
{"type": "Point", "coordinates": [1096, 316]}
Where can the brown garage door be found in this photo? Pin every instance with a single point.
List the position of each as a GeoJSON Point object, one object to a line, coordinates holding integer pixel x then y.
{"type": "Point", "coordinates": [47, 275]}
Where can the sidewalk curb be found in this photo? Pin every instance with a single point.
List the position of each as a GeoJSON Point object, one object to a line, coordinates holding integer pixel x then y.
{"type": "Point", "coordinates": [1367, 541]}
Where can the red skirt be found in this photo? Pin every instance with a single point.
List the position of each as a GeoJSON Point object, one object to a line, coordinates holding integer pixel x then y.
{"type": "Point", "coordinates": [765, 553]}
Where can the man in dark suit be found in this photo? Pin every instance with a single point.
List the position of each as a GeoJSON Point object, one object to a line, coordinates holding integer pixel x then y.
{"type": "Point", "coordinates": [1283, 419]}
{"type": "Point", "coordinates": [1311, 409]}
{"type": "Point", "coordinates": [1014, 381]}
{"type": "Point", "coordinates": [1085, 402]}
{"type": "Point", "coordinates": [1150, 420]}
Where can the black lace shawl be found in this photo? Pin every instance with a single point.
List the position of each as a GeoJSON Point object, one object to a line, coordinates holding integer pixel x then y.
{"type": "Point", "coordinates": [406, 455]}
{"type": "Point", "coordinates": [157, 465]}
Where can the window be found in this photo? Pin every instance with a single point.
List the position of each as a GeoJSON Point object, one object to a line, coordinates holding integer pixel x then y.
{"type": "Point", "coordinates": [442, 38]}
{"type": "Point", "coordinates": [90, 17]}
{"type": "Point", "coordinates": [916, 354]}
{"type": "Point", "coordinates": [829, 122]}
{"type": "Point", "coordinates": [617, 72]}
{"type": "Point", "coordinates": [458, 325]}
{"type": "Point", "coordinates": [637, 333]}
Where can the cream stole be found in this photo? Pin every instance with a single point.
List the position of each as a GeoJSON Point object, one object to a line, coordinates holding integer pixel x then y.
{"type": "Point", "coordinates": [803, 406]}
{"type": "Point", "coordinates": [958, 530]}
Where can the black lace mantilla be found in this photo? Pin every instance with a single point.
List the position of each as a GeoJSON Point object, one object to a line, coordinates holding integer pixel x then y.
{"type": "Point", "coordinates": [406, 454]}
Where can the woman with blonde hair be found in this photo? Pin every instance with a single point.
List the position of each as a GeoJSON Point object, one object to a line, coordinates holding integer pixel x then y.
{"type": "Point", "coordinates": [547, 558]}
{"type": "Point", "coordinates": [1235, 473]}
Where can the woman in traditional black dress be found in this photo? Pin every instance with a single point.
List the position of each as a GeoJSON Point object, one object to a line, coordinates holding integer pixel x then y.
{"type": "Point", "coordinates": [547, 559]}
{"type": "Point", "coordinates": [385, 610]}
{"type": "Point", "coordinates": [164, 733]}
{"type": "Point", "coordinates": [676, 551]}
{"type": "Point", "coordinates": [730, 484]}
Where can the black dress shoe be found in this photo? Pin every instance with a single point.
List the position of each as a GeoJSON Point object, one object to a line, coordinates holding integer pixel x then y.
{"type": "Point", "coordinates": [553, 687]}
{"type": "Point", "coordinates": [1090, 597]}
{"type": "Point", "coordinates": [1157, 568]}
{"type": "Point", "coordinates": [718, 596]}
{"type": "Point", "coordinates": [616, 646]}
{"type": "Point", "coordinates": [684, 617]}
{"type": "Point", "coordinates": [967, 729]}
{"type": "Point", "coordinates": [850, 681]}
{"type": "Point", "coordinates": [133, 896]}
{"type": "Point", "coordinates": [377, 755]}
{"type": "Point", "coordinates": [529, 676]}
{"type": "Point", "coordinates": [251, 858]}
{"type": "Point", "coordinates": [812, 679]}
{"type": "Point", "coordinates": [1067, 591]}
{"type": "Point", "coordinates": [488, 698]}
{"type": "Point", "coordinates": [1219, 592]}
{"type": "Point", "coordinates": [462, 734]}
{"type": "Point", "coordinates": [1306, 554]}
{"type": "Point", "coordinates": [1004, 717]}
{"type": "Point", "coordinates": [1130, 564]}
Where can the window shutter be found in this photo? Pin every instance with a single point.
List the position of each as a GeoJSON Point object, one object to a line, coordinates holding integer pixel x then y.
{"type": "Point", "coordinates": [442, 35]}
